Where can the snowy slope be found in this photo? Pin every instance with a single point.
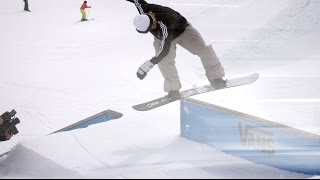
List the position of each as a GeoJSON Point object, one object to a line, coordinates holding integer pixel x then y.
{"type": "Point", "coordinates": [57, 71]}
{"type": "Point", "coordinates": [284, 51]}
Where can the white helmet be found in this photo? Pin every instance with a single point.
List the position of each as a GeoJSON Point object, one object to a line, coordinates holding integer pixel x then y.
{"type": "Point", "coordinates": [143, 23]}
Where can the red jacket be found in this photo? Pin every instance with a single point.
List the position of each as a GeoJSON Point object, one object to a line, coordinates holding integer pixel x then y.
{"type": "Point", "coordinates": [84, 5]}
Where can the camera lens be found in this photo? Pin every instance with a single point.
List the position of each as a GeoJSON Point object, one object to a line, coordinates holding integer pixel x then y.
{"type": "Point", "coordinates": [16, 121]}
{"type": "Point", "coordinates": [13, 113]}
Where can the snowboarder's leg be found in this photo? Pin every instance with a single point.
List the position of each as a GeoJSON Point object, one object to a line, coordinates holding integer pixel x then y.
{"type": "Point", "coordinates": [84, 16]}
{"type": "Point", "coordinates": [168, 68]}
{"type": "Point", "coordinates": [194, 43]}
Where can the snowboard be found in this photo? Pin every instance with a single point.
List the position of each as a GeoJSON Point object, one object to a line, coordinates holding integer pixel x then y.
{"type": "Point", "coordinates": [146, 106]}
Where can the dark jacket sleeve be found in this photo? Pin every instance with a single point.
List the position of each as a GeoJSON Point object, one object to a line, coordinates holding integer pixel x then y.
{"type": "Point", "coordinates": [166, 39]}
{"type": "Point", "coordinates": [141, 5]}
{"type": "Point", "coordinates": [166, 35]}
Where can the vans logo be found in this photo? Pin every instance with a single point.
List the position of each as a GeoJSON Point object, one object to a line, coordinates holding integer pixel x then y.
{"type": "Point", "coordinates": [256, 138]}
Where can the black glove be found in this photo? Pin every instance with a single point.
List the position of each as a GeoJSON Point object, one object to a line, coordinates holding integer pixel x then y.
{"type": "Point", "coordinates": [143, 69]}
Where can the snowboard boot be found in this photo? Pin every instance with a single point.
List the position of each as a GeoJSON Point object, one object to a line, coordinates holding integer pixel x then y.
{"type": "Point", "coordinates": [218, 83]}
{"type": "Point", "coordinates": [173, 94]}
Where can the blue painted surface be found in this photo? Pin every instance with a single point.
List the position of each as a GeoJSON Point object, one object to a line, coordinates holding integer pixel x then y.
{"type": "Point", "coordinates": [98, 118]}
{"type": "Point", "coordinates": [91, 121]}
{"type": "Point", "coordinates": [95, 119]}
{"type": "Point", "coordinates": [251, 138]}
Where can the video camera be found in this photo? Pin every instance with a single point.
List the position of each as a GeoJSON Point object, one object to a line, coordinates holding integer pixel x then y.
{"type": "Point", "coordinates": [9, 123]}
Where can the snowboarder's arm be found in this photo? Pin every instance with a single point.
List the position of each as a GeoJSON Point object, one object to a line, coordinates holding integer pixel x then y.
{"type": "Point", "coordinates": [165, 45]}
{"type": "Point", "coordinates": [141, 5]}
{"type": "Point", "coordinates": [166, 39]}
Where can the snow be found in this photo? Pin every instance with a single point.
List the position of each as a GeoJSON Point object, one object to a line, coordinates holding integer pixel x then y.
{"type": "Point", "coordinates": [57, 71]}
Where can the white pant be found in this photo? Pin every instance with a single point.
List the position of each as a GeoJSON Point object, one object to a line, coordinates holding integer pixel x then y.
{"type": "Point", "coordinates": [192, 41]}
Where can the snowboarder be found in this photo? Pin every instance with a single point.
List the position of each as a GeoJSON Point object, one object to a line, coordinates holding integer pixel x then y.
{"type": "Point", "coordinates": [83, 12]}
{"type": "Point", "coordinates": [170, 28]}
{"type": "Point", "coordinates": [26, 6]}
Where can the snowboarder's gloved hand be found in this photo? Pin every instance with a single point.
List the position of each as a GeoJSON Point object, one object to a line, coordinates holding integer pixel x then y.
{"type": "Point", "coordinates": [143, 69]}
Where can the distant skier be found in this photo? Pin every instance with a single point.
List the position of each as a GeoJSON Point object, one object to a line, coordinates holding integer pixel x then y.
{"type": "Point", "coordinates": [170, 28]}
{"type": "Point", "coordinates": [83, 11]}
{"type": "Point", "coordinates": [26, 6]}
